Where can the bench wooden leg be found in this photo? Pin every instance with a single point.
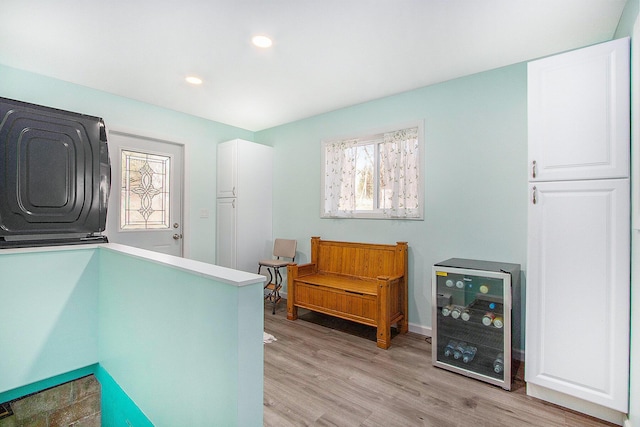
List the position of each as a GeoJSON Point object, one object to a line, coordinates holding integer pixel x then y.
{"type": "Point", "coordinates": [384, 314]}
{"type": "Point", "coordinates": [384, 337]}
{"type": "Point", "coordinates": [292, 274]}
{"type": "Point", "coordinates": [292, 310]}
{"type": "Point", "coordinates": [403, 325]}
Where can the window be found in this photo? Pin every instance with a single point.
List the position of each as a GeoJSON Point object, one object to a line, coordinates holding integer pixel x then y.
{"type": "Point", "coordinates": [378, 176]}
{"type": "Point", "coordinates": [145, 195]}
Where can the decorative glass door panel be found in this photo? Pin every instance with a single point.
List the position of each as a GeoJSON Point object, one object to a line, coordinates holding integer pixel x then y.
{"type": "Point", "coordinates": [145, 191]}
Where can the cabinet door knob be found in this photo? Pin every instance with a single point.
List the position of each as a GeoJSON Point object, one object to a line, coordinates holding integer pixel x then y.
{"type": "Point", "coordinates": [533, 169]}
{"type": "Point", "coordinates": [534, 198]}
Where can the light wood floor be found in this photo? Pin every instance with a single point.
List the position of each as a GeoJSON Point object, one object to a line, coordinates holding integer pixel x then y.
{"type": "Point", "coordinates": [316, 375]}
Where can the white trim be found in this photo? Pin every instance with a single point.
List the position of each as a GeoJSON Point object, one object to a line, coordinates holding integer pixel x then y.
{"type": "Point", "coordinates": [211, 271]}
{"type": "Point", "coordinates": [420, 330]}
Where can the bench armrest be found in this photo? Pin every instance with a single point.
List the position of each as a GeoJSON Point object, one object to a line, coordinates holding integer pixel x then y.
{"type": "Point", "coordinates": [306, 269]}
{"type": "Point", "coordinates": [390, 278]}
{"type": "Point", "coordinates": [303, 269]}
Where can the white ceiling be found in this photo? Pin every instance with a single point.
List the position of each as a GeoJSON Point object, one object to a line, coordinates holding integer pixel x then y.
{"type": "Point", "coordinates": [327, 54]}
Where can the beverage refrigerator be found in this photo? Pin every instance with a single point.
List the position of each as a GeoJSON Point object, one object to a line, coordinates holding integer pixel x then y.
{"type": "Point", "coordinates": [472, 318]}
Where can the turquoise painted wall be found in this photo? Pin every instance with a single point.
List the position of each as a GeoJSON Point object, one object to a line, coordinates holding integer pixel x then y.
{"type": "Point", "coordinates": [187, 349]}
{"type": "Point", "coordinates": [475, 181]}
{"type": "Point", "coordinates": [173, 346]}
{"type": "Point", "coordinates": [47, 315]}
{"type": "Point", "coordinates": [117, 408]}
{"type": "Point", "coordinates": [199, 136]}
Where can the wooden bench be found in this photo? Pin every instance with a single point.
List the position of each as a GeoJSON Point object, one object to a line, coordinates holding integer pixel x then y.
{"type": "Point", "coordinates": [361, 282]}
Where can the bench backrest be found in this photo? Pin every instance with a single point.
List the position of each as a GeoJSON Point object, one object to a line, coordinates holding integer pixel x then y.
{"type": "Point", "coordinates": [359, 259]}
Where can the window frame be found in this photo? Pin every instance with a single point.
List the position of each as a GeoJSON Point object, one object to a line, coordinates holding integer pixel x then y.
{"type": "Point", "coordinates": [376, 137]}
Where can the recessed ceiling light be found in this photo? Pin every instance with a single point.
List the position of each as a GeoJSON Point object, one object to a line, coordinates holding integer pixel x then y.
{"type": "Point", "coordinates": [193, 80]}
{"type": "Point", "coordinates": [261, 41]}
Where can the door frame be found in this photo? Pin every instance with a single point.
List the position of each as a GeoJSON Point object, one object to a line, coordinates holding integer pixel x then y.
{"type": "Point", "coordinates": [167, 139]}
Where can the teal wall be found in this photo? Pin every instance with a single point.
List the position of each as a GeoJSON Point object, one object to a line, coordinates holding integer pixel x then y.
{"type": "Point", "coordinates": [188, 350]}
{"type": "Point", "coordinates": [475, 180]}
{"type": "Point", "coordinates": [199, 136]}
{"type": "Point", "coordinates": [174, 347]}
{"type": "Point", "coordinates": [48, 319]}
{"type": "Point", "coordinates": [117, 408]}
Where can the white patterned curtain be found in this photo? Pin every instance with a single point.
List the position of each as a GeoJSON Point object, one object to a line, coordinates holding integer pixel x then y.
{"type": "Point", "coordinates": [339, 179]}
{"type": "Point", "coordinates": [400, 175]}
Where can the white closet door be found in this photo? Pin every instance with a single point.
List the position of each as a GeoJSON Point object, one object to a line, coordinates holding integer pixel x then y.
{"type": "Point", "coordinates": [578, 290]}
{"type": "Point", "coordinates": [226, 220]}
{"type": "Point", "coordinates": [579, 114]}
{"type": "Point", "coordinates": [227, 170]}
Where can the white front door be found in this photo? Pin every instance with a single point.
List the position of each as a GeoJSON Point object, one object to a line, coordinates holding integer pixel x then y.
{"type": "Point", "coordinates": [145, 203]}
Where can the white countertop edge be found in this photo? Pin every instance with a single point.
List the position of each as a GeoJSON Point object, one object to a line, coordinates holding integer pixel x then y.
{"type": "Point", "coordinates": [211, 271]}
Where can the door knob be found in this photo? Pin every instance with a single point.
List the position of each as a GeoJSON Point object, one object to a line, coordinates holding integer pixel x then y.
{"type": "Point", "coordinates": [177, 236]}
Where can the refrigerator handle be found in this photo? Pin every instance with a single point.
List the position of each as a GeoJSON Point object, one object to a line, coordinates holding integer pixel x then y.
{"type": "Point", "coordinates": [534, 198]}
{"type": "Point", "coordinates": [533, 169]}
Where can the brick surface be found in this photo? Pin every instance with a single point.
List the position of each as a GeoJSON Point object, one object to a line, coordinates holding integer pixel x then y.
{"type": "Point", "coordinates": [90, 421]}
{"type": "Point", "coordinates": [84, 387]}
{"type": "Point", "coordinates": [8, 422]}
{"type": "Point", "coordinates": [83, 408]}
{"type": "Point", "coordinates": [38, 420]}
{"type": "Point", "coordinates": [43, 402]}
{"type": "Point", "coordinates": [74, 404]}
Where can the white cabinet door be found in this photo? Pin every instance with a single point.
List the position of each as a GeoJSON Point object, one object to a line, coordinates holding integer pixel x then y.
{"type": "Point", "coordinates": [226, 232]}
{"type": "Point", "coordinates": [577, 303]}
{"type": "Point", "coordinates": [244, 218]}
{"type": "Point", "coordinates": [579, 114]}
{"type": "Point", "coordinates": [227, 169]}
{"type": "Point", "coordinates": [254, 239]}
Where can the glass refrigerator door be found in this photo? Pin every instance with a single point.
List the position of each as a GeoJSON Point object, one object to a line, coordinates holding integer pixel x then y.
{"type": "Point", "coordinates": [472, 324]}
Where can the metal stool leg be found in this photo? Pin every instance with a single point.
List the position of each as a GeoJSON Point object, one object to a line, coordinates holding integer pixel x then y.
{"type": "Point", "coordinates": [276, 288]}
{"type": "Point", "coordinates": [273, 285]}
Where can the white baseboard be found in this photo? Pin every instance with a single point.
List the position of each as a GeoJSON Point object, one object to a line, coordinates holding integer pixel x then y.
{"type": "Point", "coordinates": [627, 422]}
{"type": "Point", "coordinates": [419, 329]}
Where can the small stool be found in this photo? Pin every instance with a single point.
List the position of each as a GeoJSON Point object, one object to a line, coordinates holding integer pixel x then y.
{"type": "Point", "coordinates": [282, 248]}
